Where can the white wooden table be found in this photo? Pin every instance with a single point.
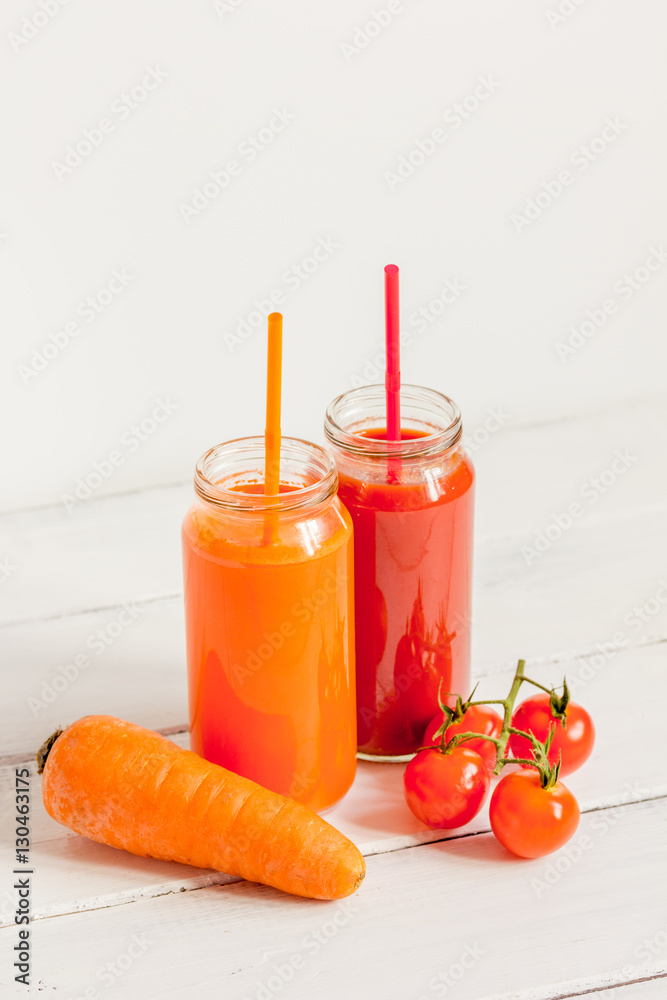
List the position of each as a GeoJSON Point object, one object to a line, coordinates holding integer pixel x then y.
{"type": "Point", "coordinates": [438, 915]}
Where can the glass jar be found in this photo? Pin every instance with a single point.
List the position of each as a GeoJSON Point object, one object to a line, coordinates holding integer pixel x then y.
{"type": "Point", "coordinates": [269, 621]}
{"type": "Point", "coordinates": [411, 503]}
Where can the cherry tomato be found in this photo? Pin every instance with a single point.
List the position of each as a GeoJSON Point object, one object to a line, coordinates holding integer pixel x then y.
{"type": "Point", "coordinates": [574, 741]}
{"type": "Point", "coordinates": [529, 820]}
{"type": "Point", "coordinates": [478, 719]}
{"type": "Point", "coordinates": [446, 790]}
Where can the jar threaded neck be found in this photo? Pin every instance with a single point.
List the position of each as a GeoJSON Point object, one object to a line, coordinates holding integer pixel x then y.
{"type": "Point", "coordinates": [308, 470]}
{"type": "Point", "coordinates": [435, 417]}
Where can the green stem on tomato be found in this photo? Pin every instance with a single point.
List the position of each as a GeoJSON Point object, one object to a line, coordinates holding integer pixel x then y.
{"type": "Point", "coordinates": [536, 684]}
{"type": "Point", "coordinates": [464, 737]}
{"type": "Point", "coordinates": [502, 740]}
{"type": "Point", "coordinates": [548, 772]}
{"type": "Point", "coordinates": [489, 701]}
{"type": "Point", "coordinates": [501, 747]}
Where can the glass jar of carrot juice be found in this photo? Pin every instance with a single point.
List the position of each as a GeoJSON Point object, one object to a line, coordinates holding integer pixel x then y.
{"type": "Point", "coordinates": [269, 621]}
{"type": "Point", "coordinates": [411, 503]}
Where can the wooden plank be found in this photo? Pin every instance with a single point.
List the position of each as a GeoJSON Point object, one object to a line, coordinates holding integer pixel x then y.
{"type": "Point", "coordinates": [124, 548]}
{"type": "Point", "coordinates": [467, 915]}
{"type": "Point", "coordinates": [600, 580]}
{"type": "Point", "coordinates": [76, 874]}
{"type": "Point", "coordinates": [560, 607]}
{"type": "Point", "coordinates": [134, 668]}
{"type": "Point", "coordinates": [529, 473]}
{"type": "Point", "coordinates": [127, 547]}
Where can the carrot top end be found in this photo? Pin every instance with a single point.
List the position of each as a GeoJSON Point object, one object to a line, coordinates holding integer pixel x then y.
{"type": "Point", "coordinates": [45, 750]}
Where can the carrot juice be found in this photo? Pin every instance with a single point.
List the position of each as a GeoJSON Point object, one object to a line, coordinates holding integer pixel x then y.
{"type": "Point", "coordinates": [411, 503]}
{"type": "Point", "coordinates": [269, 621]}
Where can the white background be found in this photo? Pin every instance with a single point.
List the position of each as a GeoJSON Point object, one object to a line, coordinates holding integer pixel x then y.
{"type": "Point", "coordinates": [355, 114]}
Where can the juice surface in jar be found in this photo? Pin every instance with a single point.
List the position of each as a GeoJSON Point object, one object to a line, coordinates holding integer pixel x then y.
{"type": "Point", "coordinates": [269, 624]}
{"type": "Point", "coordinates": [411, 504]}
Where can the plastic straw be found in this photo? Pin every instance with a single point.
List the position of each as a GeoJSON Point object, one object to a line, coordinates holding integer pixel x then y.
{"type": "Point", "coordinates": [392, 379]}
{"type": "Point", "coordinates": [273, 387]}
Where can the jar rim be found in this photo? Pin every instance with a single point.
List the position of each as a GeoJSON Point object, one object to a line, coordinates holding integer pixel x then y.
{"type": "Point", "coordinates": [296, 451]}
{"type": "Point", "coordinates": [434, 403]}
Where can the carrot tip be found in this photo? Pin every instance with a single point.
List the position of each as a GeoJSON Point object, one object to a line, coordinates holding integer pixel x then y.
{"type": "Point", "coordinates": [45, 750]}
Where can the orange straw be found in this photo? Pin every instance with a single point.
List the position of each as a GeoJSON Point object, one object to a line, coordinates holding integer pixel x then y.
{"type": "Point", "coordinates": [273, 385]}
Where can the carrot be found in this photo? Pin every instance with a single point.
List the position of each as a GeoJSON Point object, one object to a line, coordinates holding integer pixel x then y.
{"type": "Point", "coordinates": [128, 787]}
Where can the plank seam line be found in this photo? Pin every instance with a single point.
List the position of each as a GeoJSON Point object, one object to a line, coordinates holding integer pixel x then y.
{"type": "Point", "coordinates": [517, 535]}
{"type": "Point", "coordinates": [17, 511]}
{"type": "Point", "coordinates": [610, 986]}
{"type": "Point", "coordinates": [120, 901]}
{"type": "Point", "coordinates": [22, 759]}
{"type": "Point", "coordinates": [479, 833]}
{"type": "Point", "coordinates": [631, 404]}
{"type": "Point", "coordinates": [78, 612]}
{"type": "Point", "coordinates": [561, 657]}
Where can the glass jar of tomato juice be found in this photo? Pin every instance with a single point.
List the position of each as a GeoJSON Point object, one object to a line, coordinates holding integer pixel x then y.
{"type": "Point", "coordinates": [269, 621]}
{"type": "Point", "coordinates": [411, 503]}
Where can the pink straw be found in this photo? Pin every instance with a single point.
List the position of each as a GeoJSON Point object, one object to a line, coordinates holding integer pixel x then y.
{"type": "Point", "coordinates": [392, 379]}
